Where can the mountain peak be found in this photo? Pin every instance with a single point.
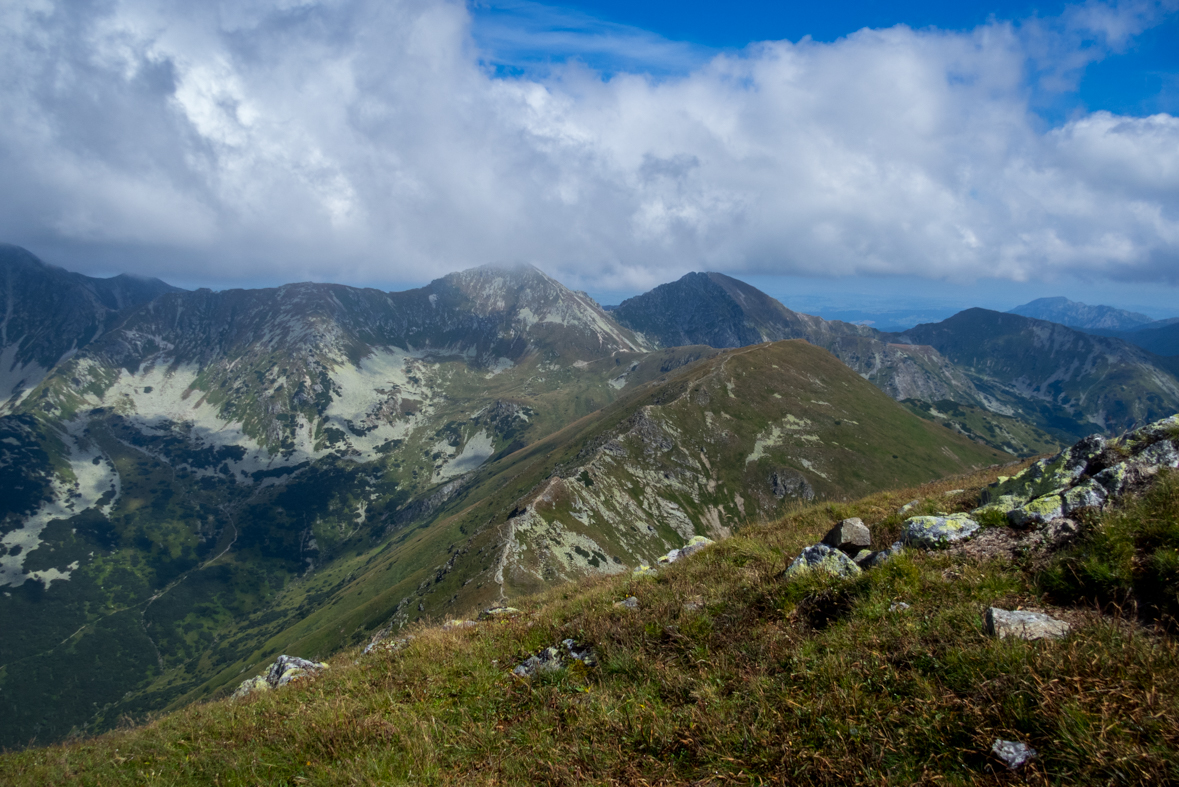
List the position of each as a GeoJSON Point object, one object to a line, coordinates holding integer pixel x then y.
{"type": "Point", "coordinates": [1081, 315]}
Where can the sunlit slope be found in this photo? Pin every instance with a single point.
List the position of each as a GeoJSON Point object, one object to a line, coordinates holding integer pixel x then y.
{"type": "Point", "coordinates": [697, 452]}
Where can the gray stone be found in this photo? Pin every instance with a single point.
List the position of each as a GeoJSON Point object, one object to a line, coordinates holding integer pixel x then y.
{"type": "Point", "coordinates": [883, 556]}
{"type": "Point", "coordinates": [929, 532]}
{"type": "Point", "coordinates": [850, 536]}
{"type": "Point", "coordinates": [1013, 753]}
{"type": "Point", "coordinates": [556, 658]}
{"type": "Point", "coordinates": [1037, 512]}
{"type": "Point", "coordinates": [1161, 454]}
{"type": "Point", "coordinates": [1087, 495]}
{"type": "Point", "coordinates": [907, 507]}
{"type": "Point", "coordinates": [499, 613]}
{"type": "Point", "coordinates": [695, 544]}
{"type": "Point", "coordinates": [670, 557]}
{"type": "Point", "coordinates": [630, 602]}
{"type": "Point", "coordinates": [821, 557]}
{"type": "Point", "coordinates": [898, 606]}
{"type": "Point", "coordinates": [862, 557]}
{"type": "Point", "coordinates": [1021, 624]}
{"type": "Point", "coordinates": [284, 670]}
{"type": "Point", "coordinates": [1114, 479]}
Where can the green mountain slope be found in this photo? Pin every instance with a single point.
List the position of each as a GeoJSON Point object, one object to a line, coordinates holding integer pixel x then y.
{"type": "Point", "coordinates": [184, 529]}
{"type": "Point", "coordinates": [720, 669]}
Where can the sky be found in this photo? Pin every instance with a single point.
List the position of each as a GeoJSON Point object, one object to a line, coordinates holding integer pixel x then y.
{"type": "Point", "coordinates": [854, 154]}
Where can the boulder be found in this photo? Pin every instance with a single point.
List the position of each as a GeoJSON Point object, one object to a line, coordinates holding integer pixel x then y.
{"type": "Point", "coordinates": [1013, 753]}
{"type": "Point", "coordinates": [556, 658]}
{"type": "Point", "coordinates": [850, 536]}
{"type": "Point", "coordinates": [883, 556]}
{"type": "Point", "coordinates": [1037, 512]}
{"type": "Point", "coordinates": [670, 557]}
{"type": "Point", "coordinates": [1089, 494]}
{"type": "Point", "coordinates": [821, 557]}
{"type": "Point", "coordinates": [288, 668]}
{"type": "Point", "coordinates": [644, 570]}
{"type": "Point", "coordinates": [695, 544]}
{"type": "Point", "coordinates": [930, 532]}
{"type": "Point", "coordinates": [252, 685]}
{"type": "Point", "coordinates": [1021, 624]}
{"type": "Point", "coordinates": [499, 613]}
{"type": "Point", "coordinates": [284, 670]}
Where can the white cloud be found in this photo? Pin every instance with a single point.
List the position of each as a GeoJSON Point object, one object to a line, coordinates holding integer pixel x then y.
{"type": "Point", "coordinates": [365, 141]}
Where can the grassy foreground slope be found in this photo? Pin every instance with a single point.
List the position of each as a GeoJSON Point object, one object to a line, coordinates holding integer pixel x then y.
{"type": "Point", "coordinates": [724, 674]}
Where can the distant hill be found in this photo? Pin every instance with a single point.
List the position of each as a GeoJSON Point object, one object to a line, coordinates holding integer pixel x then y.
{"type": "Point", "coordinates": [1064, 381]}
{"type": "Point", "coordinates": [1161, 337]}
{"type": "Point", "coordinates": [1082, 315]}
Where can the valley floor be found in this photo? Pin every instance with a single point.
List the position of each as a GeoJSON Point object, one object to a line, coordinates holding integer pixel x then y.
{"type": "Point", "coordinates": [724, 672]}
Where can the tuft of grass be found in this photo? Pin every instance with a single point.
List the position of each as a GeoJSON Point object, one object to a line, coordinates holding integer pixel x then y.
{"type": "Point", "coordinates": [757, 681]}
{"type": "Point", "coordinates": [1127, 559]}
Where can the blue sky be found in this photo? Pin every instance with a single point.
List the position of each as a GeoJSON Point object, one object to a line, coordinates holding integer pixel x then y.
{"type": "Point", "coordinates": [915, 153]}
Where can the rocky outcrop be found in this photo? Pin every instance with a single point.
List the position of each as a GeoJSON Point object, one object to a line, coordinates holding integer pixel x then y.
{"type": "Point", "coordinates": [1086, 475]}
{"type": "Point", "coordinates": [284, 670]}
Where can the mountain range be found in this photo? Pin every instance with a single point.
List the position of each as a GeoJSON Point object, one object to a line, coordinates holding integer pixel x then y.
{"type": "Point", "coordinates": [1160, 337]}
{"type": "Point", "coordinates": [196, 481]}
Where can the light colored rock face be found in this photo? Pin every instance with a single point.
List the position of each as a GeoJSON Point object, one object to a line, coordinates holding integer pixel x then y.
{"type": "Point", "coordinates": [1087, 475]}
{"type": "Point", "coordinates": [1013, 753]}
{"type": "Point", "coordinates": [284, 670]}
{"type": "Point", "coordinates": [930, 532]}
{"type": "Point", "coordinates": [850, 536]}
{"type": "Point", "coordinates": [821, 557]}
{"type": "Point", "coordinates": [1004, 623]}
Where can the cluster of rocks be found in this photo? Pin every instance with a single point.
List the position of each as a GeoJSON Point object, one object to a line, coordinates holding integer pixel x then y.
{"type": "Point", "coordinates": [695, 544]}
{"type": "Point", "coordinates": [845, 551]}
{"type": "Point", "coordinates": [556, 658]}
{"type": "Point", "coordinates": [284, 670]}
{"type": "Point", "coordinates": [1087, 475]}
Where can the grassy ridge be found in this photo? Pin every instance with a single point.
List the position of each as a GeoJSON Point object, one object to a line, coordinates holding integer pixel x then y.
{"type": "Point", "coordinates": [812, 681]}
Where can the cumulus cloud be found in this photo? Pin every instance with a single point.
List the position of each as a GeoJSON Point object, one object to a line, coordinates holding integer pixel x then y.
{"type": "Point", "coordinates": [367, 140]}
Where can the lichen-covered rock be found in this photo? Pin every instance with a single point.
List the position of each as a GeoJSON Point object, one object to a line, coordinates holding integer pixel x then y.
{"type": "Point", "coordinates": [850, 536]}
{"type": "Point", "coordinates": [930, 532]}
{"type": "Point", "coordinates": [821, 557]}
{"type": "Point", "coordinates": [1038, 511]}
{"type": "Point", "coordinates": [670, 557]}
{"type": "Point", "coordinates": [556, 658]}
{"type": "Point", "coordinates": [1114, 478]}
{"type": "Point", "coordinates": [1021, 624]}
{"type": "Point", "coordinates": [643, 570]}
{"type": "Point", "coordinates": [695, 544]}
{"type": "Point", "coordinates": [883, 556]}
{"type": "Point", "coordinates": [499, 613]}
{"type": "Point", "coordinates": [284, 670]}
{"type": "Point", "coordinates": [1013, 754]}
{"type": "Point", "coordinates": [630, 602]}
{"type": "Point", "coordinates": [1089, 494]}
{"type": "Point", "coordinates": [288, 668]}
{"type": "Point", "coordinates": [251, 686]}
{"type": "Point", "coordinates": [457, 623]}
{"type": "Point", "coordinates": [1143, 437]}
{"type": "Point", "coordinates": [1161, 454]}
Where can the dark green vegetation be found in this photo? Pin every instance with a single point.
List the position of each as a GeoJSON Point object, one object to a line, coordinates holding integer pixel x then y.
{"type": "Point", "coordinates": [998, 431]}
{"type": "Point", "coordinates": [725, 673]}
{"type": "Point", "coordinates": [1128, 561]}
